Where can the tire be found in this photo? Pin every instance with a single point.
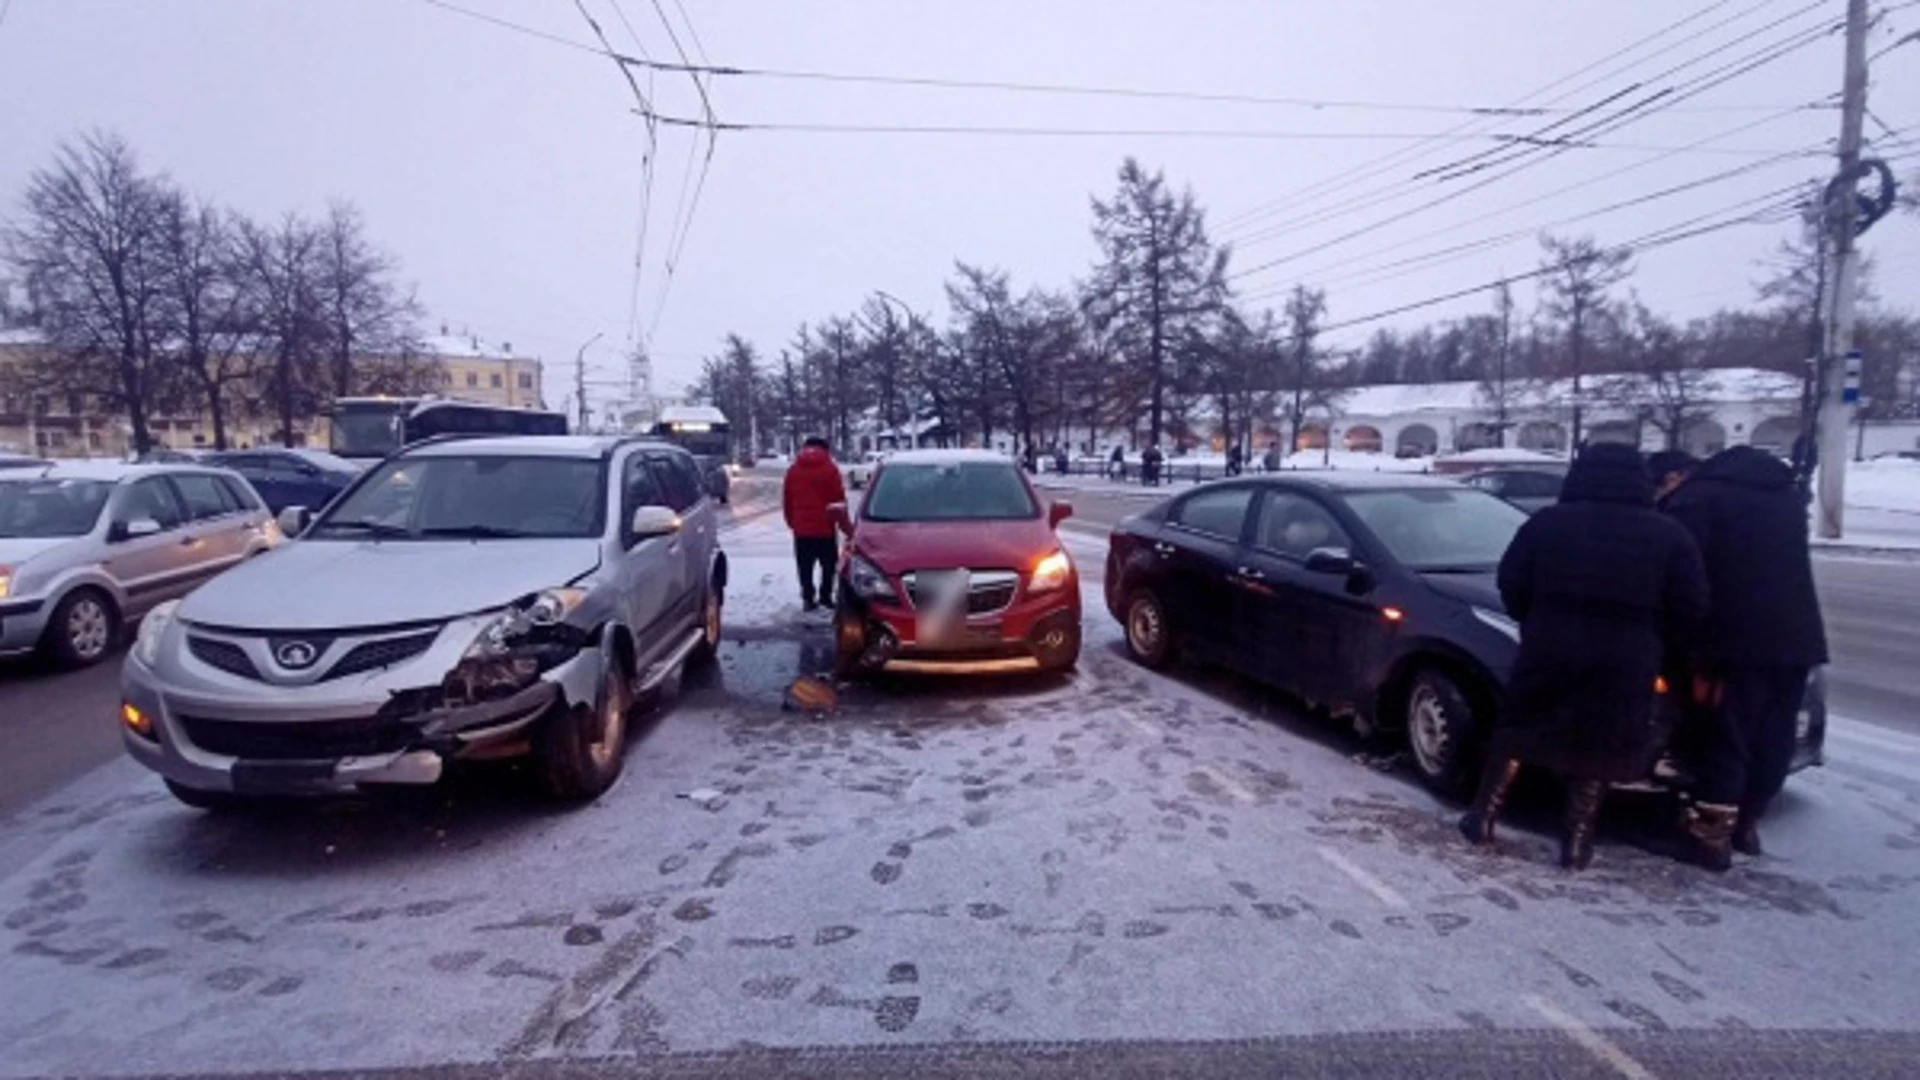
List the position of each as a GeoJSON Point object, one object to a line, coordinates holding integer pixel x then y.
{"type": "Point", "coordinates": [1442, 732]}
{"type": "Point", "coordinates": [580, 755]}
{"type": "Point", "coordinates": [708, 650]}
{"type": "Point", "coordinates": [201, 799]}
{"type": "Point", "coordinates": [846, 661]}
{"type": "Point", "coordinates": [1061, 658]}
{"type": "Point", "coordinates": [83, 629]}
{"type": "Point", "coordinates": [1149, 632]}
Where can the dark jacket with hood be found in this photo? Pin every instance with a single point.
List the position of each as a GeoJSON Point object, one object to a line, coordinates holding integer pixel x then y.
{"type": "Point", "coordinates": [1599, 583]}
{"type": "Point", "coordinates": [813, 483]}
{"type": "Point", "coordinates": [1750, 520]}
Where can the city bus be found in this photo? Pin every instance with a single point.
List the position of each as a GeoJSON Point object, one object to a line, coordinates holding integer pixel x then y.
{"type": "Point", "coordinates": [702, 431]}
{"type": "Point", "coordinates": [367, 429]}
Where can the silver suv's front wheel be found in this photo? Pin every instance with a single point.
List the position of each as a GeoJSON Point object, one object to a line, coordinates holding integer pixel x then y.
{"type": "Point", "coordinates": [580, 751]}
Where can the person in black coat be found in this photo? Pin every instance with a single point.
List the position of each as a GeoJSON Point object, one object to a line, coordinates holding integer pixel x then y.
{"type": "Point", "coordinates": [1762, 636]}
{"type": "Point", "coordinates": [1599, 583]}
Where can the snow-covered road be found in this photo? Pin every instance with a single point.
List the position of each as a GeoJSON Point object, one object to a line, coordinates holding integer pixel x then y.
{"type": "Point", "coordinates": [1104, 863]}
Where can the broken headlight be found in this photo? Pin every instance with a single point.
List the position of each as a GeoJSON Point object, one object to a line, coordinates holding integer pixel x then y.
{"type": "Point", "coordinates": [531, 636]}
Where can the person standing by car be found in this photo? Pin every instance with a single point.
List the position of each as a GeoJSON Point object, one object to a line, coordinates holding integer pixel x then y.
{"type": "Point", "coordinates": [1599, 584]}
{"type": "Point", "coordinates": [1763, 636]}
{"type": "Point", "coordinates": [812, 485]}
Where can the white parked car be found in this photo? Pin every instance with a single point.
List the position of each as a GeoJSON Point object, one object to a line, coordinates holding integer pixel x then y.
{"type": "Point", "coordinates": [860, 471]}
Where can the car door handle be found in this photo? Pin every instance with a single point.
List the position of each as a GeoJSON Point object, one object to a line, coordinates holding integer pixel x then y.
{"type": "Point", "coordinates": [1163, 548]}
{"type": "Point", "coordinates": [189, 541]}
{"type": "Point", "coordinates": [1250, 574]}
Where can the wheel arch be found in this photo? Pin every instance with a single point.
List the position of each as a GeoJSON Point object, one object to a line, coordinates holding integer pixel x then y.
{"type": "Point", "coordinates": [1481, 687]}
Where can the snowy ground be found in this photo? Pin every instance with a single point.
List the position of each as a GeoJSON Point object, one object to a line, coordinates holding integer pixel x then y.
{"type": "Point", "coordinates": [1084, 865]}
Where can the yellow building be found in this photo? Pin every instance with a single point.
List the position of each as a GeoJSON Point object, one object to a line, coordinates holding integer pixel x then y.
{"type": "Point", "coordinates": [75, 425]}
{"type": "Point", "coordinates": [472, 370]}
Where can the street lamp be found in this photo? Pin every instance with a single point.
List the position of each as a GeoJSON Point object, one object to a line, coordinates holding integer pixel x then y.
{"type": "Point", "coordinates": [580, 378]}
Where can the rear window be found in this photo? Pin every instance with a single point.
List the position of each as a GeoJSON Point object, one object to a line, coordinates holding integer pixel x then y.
{"type": "Point", "coordinates": [949, 491]}
{"type": "Point", "coordinates": [1220, 513]}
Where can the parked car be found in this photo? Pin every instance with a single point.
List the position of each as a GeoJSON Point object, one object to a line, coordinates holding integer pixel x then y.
{"type": "Point", "coordinates": [290, 477]}
{"type": "Point", "coordinates": [1532, 488]}
{"type": "Point", "coordinates": [1368, 595]}
{"type": "Point", "coordinates": [164, 455]}
{"type": "Point", "coordinates": [10, 460]}
{"type": "Point", "coordinates": [953, 559]}
{"type": "Point", "coordinates": [467, 598]}
{"type": "Point", "coordinates": [860, 470]}
{"type": "Point", "coordinates": [88, 547]}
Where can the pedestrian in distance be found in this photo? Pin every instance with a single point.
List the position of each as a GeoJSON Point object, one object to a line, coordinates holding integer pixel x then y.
{"type": "Point", "coordinates": [1668, 469]}
{"type": "Point", "coordinates": [1117, 463]}
{"type": "Point", "coordinates": [1234, 458]}
{"type": "Point", "coordinates": [1272, 460]}
{"type": "Point", "coordinates": [812, 485]}
{"type": "Point", "coordinates": [1150, 460]}
{"type": "Point", "coordinates": [1763, 635]}
{"type": "Point", "coordinates": [1600, 583]}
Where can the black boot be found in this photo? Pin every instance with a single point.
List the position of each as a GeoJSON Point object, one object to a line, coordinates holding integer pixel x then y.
{"type": "Point", "coordinates": [1477, 824]}
{"type": "Point", "coordinates": [1746, 835]}
{"type": "Point", "coordinates": [1583, 814]}
{"type": "Point", "coordinates": [1706, 836]}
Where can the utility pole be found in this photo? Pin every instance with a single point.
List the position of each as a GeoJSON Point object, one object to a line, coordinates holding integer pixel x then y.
{"type": "Point", "coordinates": [580, 380]}
{"type": "Point", "coordinates": [1842, 211]}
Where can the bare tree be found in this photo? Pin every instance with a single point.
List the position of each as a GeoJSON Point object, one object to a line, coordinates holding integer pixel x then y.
{"type": "Point", "coordinates": [1578, 273]}
{"type": "Point", "coordinates": [1159, 277]}
{"type": "Point", "coordinates": [366, 312]}
{"type": "Point", "coordinates": [1497, 383]}
{"type": "Point", "coordinates": [203, 307]}
{"type": "Point", "coordinates": [1666, 383]}
{"type": "Point", "coordinates": [1304, 384]}
{"type": "Point", "coordinates": [281, 272]}
{"type": "Point", "coordinates": [88, 252]}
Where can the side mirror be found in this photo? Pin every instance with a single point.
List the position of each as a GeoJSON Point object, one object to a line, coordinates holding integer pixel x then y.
{"type": "Point", "coordinates": [837, 513]}
{"type": "Point", "coordinates": [293, 520]}
{"type": "Point", "coordinates": [1058, 512]}
{"type": "Point", "coordinates": [651, 521]}
{"type": "Point", "coordinates": [133, 530]}
{"type": "Point", "coordinates": [1329, 560]}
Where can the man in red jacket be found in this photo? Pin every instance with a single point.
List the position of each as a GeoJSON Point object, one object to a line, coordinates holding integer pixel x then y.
{"type": "Point", "coordinates": [813, 484]}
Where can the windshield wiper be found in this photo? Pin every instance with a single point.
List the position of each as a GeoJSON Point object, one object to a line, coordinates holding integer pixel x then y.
{"type": "Point", "coordinates": [476, 532]}
{"type": "Point", "coordinates": [377, 528]}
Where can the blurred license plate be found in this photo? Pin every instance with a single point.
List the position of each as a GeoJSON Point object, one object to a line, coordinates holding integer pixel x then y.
{"type": "Point", "coordinates": [964, 636]}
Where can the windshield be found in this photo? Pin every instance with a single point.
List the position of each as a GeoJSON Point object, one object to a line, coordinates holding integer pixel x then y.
{"type": "Point", "coordinates": [365, 431]}
{"type": "Point", "coordinates": [957, 491]}
{"type": "Point", "coordinates": [473, 497]}
{"type": "Point", "coordinates": [1435, 529]}
{"type": "Point", "coordinates": [701, 443]}
{"type": "Point", "coordinates": [50, 507]}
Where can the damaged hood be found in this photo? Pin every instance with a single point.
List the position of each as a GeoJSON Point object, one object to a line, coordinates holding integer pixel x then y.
{"type": "Point", "coordinates": [341, 584]}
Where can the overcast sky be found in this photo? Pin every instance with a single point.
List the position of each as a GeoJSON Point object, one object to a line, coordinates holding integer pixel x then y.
{"type": "Point", "coordinates": [505, 170]}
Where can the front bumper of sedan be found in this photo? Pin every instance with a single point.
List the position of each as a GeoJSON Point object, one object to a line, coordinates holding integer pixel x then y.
{"type": "Point", "coordinates": [211, 729]}
{"type": "Point", "coordinates": [1027, 633]}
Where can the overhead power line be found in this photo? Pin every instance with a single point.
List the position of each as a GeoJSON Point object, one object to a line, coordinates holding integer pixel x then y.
{"type": "Point", "coordinates": [1013, 86]}
{"type": "Point", "coordinates": [1604, 65]}
{"type": "Point", "coordinates": [689, 206]}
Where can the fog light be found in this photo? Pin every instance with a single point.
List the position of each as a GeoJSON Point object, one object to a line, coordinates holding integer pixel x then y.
{"type": "Point", "coordinates": [138, 722]}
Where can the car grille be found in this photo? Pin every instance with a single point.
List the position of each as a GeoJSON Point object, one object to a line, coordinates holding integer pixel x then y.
{"type": "Point", "coordinates": [224, 655]}
{"type": "Point", "coordinates": [988, 591]}
{"type": "Point", "coordinates": [301, 741]}
{"type": "Point", "coordinates": [372, 655]}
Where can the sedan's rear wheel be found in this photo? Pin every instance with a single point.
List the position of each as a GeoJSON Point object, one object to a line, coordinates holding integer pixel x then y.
{"type": "Point", "coordinates": [1441, 732]}
{"type": "Point", "coordinates": [1149, 632]}
{"type": "Point", "coordinates": [83, 628]}
{"type": "Point", "coordinates": [580, 752]}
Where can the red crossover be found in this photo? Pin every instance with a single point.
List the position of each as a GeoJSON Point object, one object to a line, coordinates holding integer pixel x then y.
{"type": "Point", "coordinates": [954, 560]}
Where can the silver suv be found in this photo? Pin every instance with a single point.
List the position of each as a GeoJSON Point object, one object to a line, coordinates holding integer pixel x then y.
{"type": "Point", "coordinates": [465, 598]}
{"type": "Point", "coordinates": [87, 547]}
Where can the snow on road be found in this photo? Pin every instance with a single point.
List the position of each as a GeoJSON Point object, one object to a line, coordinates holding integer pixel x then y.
{"type": "Point", "coordinates": [1114, 855]}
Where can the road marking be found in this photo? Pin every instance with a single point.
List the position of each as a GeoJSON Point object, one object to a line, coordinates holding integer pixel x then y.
{"type": "Point", "coordinates": [1590, 1040]}
{"type": "Point", "coordinates": [1232, 787]}
{"type": "Point", "coordinates": [1381, 890]}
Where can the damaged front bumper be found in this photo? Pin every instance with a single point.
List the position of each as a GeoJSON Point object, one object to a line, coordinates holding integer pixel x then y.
{"type": "Point", "coordinates": [213, 731]}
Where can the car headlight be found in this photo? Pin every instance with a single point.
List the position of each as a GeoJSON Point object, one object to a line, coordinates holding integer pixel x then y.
{"type": "Point", "coordinates": [6, 581]}
{"type": "Point", "coordinates": [529, 637]}
{"type": "Point", "coordinates": [866, 580]}
{"type": "Point", "coordinates": [1051, 572]}
{"type": "Point", "coordinates": [1500, 621]}
{"type": "Point", "coordinates": [146, 646]}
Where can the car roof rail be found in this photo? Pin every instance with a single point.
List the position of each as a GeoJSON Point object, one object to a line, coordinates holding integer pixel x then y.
{"type": "Point", "coordinates": [444, 437]}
